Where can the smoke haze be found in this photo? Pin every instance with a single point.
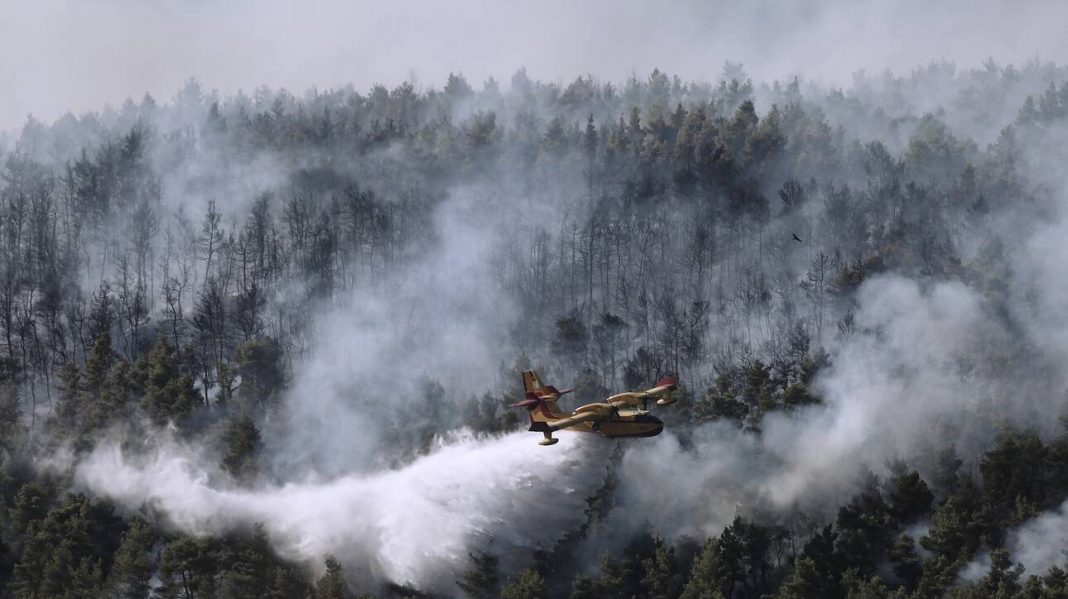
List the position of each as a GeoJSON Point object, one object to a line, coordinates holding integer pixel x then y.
{"type": "Point", "coordinates": [85, 55]}
{"type": "Point", "coordinates": [893, 384]}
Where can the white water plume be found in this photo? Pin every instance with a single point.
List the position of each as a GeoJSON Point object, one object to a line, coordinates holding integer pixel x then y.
{"type": "Point", "coordinates": [413, 525]}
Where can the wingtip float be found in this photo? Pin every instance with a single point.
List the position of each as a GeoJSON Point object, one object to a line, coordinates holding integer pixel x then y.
{"type": "Point", "coordinates": [619, 416]}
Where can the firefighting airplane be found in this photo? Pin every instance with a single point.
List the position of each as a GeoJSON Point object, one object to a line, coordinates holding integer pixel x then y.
{"type": "Point", "coordinates": [622, 415]}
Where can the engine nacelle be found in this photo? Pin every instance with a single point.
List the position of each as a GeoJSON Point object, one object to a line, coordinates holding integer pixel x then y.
{"type": "Point", "coordinates": [601, 409]}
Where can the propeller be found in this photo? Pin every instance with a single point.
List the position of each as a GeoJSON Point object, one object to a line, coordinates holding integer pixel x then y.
{"type": "Point", "coordinates": [529, 404]}
{"type": "Point", "coordinates": [532, 402]}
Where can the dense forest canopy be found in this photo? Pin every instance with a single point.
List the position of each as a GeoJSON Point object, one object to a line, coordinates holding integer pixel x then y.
{"type": "Point", "coordinates": [265, 344]}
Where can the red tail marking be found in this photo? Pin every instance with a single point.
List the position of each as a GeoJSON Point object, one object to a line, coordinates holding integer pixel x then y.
{"type": "Point", "coordinates": [668, 381]}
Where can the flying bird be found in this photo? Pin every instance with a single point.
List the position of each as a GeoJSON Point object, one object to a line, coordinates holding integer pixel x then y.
{"type": "Point", "coordinates": [796, 238]}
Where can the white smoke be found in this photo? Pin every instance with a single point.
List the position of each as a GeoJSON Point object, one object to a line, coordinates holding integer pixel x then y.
{"type": "Point", "coordinates": [1038, 545]}
{"type": "Point", "coordinates": [414, 525]}
{"type": "Point", "coordinates": [1042, 542]}
{"type": "Point", "coordinates": [439, 317]}
{"type": "Point", "coordinates": [888, 387]}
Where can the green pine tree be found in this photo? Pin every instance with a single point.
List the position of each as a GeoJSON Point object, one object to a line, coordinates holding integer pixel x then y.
{"type": "Point", "coordinates": [132, 571]}
{"type": "Point", "coordinates": [331, 584]}
{"type": "Point", "coordinates": [527, 585]}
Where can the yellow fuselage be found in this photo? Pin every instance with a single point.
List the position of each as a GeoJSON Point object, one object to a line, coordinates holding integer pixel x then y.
{"type": "Point", "coordinates": [626, 423]}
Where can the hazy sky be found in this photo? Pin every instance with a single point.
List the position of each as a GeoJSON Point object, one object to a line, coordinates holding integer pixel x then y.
{"type": "Point", "coordinates": [59, 55]}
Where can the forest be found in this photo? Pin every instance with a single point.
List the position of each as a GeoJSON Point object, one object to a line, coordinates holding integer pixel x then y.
{"type": "Point", "coordinates": [264, 344]}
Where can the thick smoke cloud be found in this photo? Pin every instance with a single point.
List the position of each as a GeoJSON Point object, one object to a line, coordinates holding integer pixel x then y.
{"type": "Point", "coordinates": [892, 384]}
{"type": "Point", "coordinates": [1037, 545]}
{"type": "Point", "coordinates": [1040, 543]}
{"type": "Point", "coordinates": [1040, 300]}
{"type": "Point", "coordinates": [438, 319]}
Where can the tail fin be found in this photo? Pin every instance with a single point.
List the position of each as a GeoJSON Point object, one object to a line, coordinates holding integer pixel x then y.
{"type": "Point", "coordinates": [531, 383]}
{"type": "Point", "coordinates": [663, 390]}
{"type": "Point", "coordinates": [540, 401]}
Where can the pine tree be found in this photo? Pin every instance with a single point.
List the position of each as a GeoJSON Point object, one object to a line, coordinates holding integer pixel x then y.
{"type": "Point", "coordinates": [583, 587]}
{"type": "Point", "coordinates": [709, 576]}
{"type": "Point", "coordinates": [482, 581]}
{"type": "Point", "coordinates": [527, 585]}
{"type": "Point", "coordinates": [188, 567]}
{"type": "Point", "coordinates": [260, 364]}
{"type": "Point", "coordinates": [242, 440]}
{"type": "Point", "coordinates": [252, 572]}
{"type": "Point", "coordinates": [64, 552]}
{"type": "Point", "coordinates": [331, 584]}
{"type": "Point", "coordinates": [169, 394]}
{"type": "Point", "coordinates": [132, 571]}
{"type": "Point", "coordinates": [804, 582]}
{"type": "Point", "coordinates": [909, 497]}
{"type": "Point", "coordinates": [661, 579]}
{"type": "Point", "coordinates": [907, 564]}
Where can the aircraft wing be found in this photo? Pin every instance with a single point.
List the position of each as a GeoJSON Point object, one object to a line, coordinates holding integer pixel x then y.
{"type": "Point", "coordinates": [570, 421]}
{"type": "Point", "coordinates": [603, 412]}
{"type": "Point", "coordinates": [665, 384]}
{"type": "Point", "coordinates": [663, 390]}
